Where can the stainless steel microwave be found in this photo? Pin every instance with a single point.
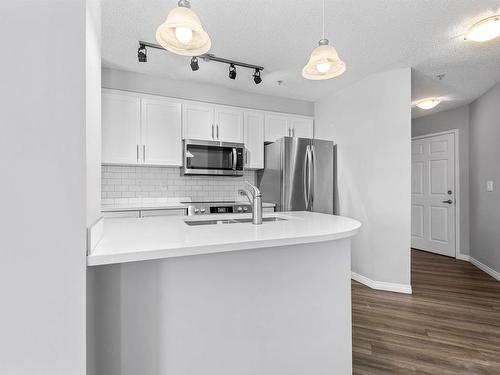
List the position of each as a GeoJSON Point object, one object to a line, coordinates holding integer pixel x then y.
{"type": "Point", "coordinates": [213, 158]}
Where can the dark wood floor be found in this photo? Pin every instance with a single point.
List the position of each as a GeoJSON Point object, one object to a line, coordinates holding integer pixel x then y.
{"type": "Point", "coordinates": [450, 325]}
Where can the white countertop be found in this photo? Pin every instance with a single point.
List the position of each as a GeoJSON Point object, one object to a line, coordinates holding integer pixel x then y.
{"type": "Point", "coordinates": [142, 206]}
{"type": "Point", "coordinates": [133, 239]}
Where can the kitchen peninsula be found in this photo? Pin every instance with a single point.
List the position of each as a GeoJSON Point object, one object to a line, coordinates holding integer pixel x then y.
{"type": "Point", "coordinates": [225, 296]}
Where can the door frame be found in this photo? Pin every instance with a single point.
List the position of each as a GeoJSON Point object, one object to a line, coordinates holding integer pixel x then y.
{"type": "Point", "coordinates": [456, 134]}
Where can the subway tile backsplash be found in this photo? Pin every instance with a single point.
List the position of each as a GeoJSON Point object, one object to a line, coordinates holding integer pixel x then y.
{"type": "Point", "coordinates": [122, 185]}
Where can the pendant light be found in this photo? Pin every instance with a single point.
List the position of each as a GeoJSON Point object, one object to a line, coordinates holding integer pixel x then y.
{"type": "Point", "coordinates": [182, 33]}
{"type": "Point", "coordinates": [324, 62]}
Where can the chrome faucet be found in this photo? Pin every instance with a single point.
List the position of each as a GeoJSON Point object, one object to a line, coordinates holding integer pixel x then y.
{"type": "Point", "coordinates": [255, 197]}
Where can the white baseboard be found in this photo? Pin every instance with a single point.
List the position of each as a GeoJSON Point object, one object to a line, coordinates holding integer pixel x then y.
{"type": "Point", "coordinates": [381, 285]}
{"type": "Point", "coordinates": [465, 257]}
{"type": "Point", "coordinates": [485, 268]}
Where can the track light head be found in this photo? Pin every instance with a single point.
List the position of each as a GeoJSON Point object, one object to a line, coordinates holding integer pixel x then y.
{"type": "Point", "coordinates": [256, 77]}
{"type": "Point", "coordinates": [194, 64]}
{"type": "Point", "coordinates": [142, 53]}
{"type": "Point", "coordinates": [232, 71]}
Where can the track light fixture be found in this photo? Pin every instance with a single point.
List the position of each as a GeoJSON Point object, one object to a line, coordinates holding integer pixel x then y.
{"type": "Point", "coordinates": [232, 71]}
{"type": "Point", "coordinates": [194, 64]}
{"type": "Point", "coordinates": [142, 53]}
{"type": "Point", "coordinates": [256, 77]}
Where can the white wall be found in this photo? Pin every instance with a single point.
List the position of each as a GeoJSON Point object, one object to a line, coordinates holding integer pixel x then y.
{"type": "Point", "coordinates": [457, 118]}
{"type": "Point", "coordinates": [93, 109]}
{"type": "Point", "coordinates": [484, 166]}
{"type": "Point", "coordinates": [371, 123]}
{"type": "Point", "coordinates": [122, 80]}
{"type": "Point", "coordinates": [42, 226]}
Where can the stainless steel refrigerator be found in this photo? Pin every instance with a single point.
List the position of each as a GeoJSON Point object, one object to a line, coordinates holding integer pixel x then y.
{"type": "Point", "coordinates": [299, 175]}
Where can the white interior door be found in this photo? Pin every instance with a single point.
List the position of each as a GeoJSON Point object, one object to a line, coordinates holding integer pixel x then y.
{"type": "Point", "coordinates": [433, 206]}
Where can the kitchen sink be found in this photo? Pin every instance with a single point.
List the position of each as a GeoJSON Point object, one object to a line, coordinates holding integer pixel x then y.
{"type": "Point", "coordinates": [230, 221]}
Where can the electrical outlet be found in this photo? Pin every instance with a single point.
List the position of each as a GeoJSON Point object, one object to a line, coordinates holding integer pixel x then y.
{"type": "Point", "coordinates": [489, 186]}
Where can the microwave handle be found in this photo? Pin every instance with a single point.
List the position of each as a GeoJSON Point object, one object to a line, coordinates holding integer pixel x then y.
{"type": "Point", "coordinates": [235, 158]}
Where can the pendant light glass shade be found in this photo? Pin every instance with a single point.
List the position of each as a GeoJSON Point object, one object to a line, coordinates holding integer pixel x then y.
{"type": "Point", "coordinates": [182, 33]}
{"type": "Point", "coordinates": [324, 63]}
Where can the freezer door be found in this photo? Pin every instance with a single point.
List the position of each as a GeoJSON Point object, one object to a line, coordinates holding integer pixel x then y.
{"type": "Point", "coordinates": [323, 176]}
{"type": "Point", "coordinates": [295, 173]}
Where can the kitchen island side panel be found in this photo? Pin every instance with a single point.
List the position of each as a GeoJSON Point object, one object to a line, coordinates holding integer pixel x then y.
{"type": "Point", "coordinates": [280, 310]}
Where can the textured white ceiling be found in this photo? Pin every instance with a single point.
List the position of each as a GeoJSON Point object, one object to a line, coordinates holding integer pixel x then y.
{"type": "Point", "coordinates": [370, 36]}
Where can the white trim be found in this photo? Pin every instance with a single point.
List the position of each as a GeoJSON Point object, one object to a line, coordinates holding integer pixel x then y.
{"type": "Point", "coordinates": [456, 133]}
{"type": "Point", "coordinates": [94, 234]}
{"type": "Point", "coordinates": [483, 267]}
{"type": "Point", "coordinates": [465, 257]}
{"type": "Point", "coordinates": [381, 285]}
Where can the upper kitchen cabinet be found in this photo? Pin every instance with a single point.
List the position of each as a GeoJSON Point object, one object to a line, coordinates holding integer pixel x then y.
{"type": "Point", "coordinates": [277, 126]}
{"type": "Point", "coordinates": [281, 125]}
{"type": "Point", "coordinates": [161, 132]}
{"type": "Point", "coordinates": [301, 127]}
{"type": "Point", "coordinates": [229, 125]}
{"type": "Point", "coordinates": [198, 121]}
{"type": "Point", "coordinates": [254, 139]}
{"type": "Point", "coordinates": [212, 123]}
{"type": "Point", "coordinates": [140, 130]}
{"type": "Point", "coordinates": [121, 128]}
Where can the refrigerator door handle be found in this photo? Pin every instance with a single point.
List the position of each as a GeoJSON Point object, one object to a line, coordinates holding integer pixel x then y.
{"type": "Point", "coordinates": [306, 178]}
{"type": "Point", "coordinates": [311, 178]}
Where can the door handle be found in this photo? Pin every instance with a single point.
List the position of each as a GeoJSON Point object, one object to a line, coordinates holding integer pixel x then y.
{"type": "Point", "coordinates": [235, 159]}
{"type": "Point", "coordinates": [311, 177]}
{"type": "Point", "coordinates": [306, 180]}
{"type": "Point", "coordinates": [449, 201]}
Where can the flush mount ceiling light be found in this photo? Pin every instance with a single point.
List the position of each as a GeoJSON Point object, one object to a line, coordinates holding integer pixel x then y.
{"type": "Point", "coordinates": [324, 62]}
{"type": "Point", "coordinates": [182, 33]}
{"type": "Point", "coordinates": [484, 30]}
{"type": "Point", "coordinates": [427, 103]}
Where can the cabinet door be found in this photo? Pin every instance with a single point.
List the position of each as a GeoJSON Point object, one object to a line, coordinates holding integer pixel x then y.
{"type": "Point", "coordinates": [228, 125]}
{"type": "Point", "coordinates": [254, 140]}
{"type": "Point", "coordinates": [198, 122]}
{"type": "Point", "coordinates": [121, 121]}
{"type": "Point", "coordinates": [161, 132]}
{"type": "Point", "coordinates": [301, 127]}
{"type": "Point", "coordinates": [277, 126]}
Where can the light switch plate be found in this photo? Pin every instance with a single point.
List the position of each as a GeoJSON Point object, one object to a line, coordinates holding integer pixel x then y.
{"type": "Point", "coordinates": [489, 185]}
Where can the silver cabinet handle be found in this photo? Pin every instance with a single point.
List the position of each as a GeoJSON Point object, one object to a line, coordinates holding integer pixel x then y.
{"type": "Point", "coordinates": [217, 131]}
{"type": "Point", "coordinates": [449, 201]}
{"type": "Point", "coordinates": [143, 153]}
{"type": "Point", "coordinates": [137, 153]}
{"type": "Point", "coordinates": [246, 157]}
{"type": "Point", "coordinates": [212, 131]}
{"type": "Point", "coordinates": [293, 132]}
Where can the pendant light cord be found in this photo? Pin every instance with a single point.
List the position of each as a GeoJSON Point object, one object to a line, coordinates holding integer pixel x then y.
{"type": "Point", "coordinates": [323, 19]}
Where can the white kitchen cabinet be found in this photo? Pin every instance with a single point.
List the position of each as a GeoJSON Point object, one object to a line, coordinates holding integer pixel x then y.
{"type": "Point", "coordinates": [229, 125]}
{"type": "Point", "coordinates": [212, 123]}
{"type": "Point", "coordinates": [121, 121]}
{"type": "Point", "coordinates": [161, 132]}
{"type": "Point", "coordinates": [198, 121]}
{"type": "Point", "coordinates": [281, 125]}
{"type": "Point", "coordinates": [140, 130]}
{"type": "Point", "coordinates": [254, 139]}
{"type": "Point", "coordinates": [169, 212]}
{"type": "Point", "coordinates": [276, 126]}
{"type": "Point", "coordinates": [301, 127]}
